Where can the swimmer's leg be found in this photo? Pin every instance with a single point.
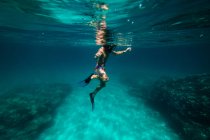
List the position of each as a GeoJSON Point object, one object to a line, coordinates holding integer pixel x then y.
{"type": "Point", "coordinates": [93, 94]}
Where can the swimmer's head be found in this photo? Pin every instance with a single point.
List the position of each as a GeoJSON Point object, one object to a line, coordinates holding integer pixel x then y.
{"type": "Point", "coordinates": [110, 47]}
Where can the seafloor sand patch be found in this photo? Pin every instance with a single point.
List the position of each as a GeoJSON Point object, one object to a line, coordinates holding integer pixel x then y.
{"type": "Point", "coordinates": [117, 116]}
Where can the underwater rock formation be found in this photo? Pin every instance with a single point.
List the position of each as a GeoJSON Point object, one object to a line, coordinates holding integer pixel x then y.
{"type": "Point", "coordinates": [26, 111]}
{"type": "Point", "coordinates": [185, 104]}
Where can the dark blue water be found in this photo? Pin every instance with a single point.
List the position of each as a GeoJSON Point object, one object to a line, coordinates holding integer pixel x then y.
{"type": "Point", "coordinates": [50, 41]}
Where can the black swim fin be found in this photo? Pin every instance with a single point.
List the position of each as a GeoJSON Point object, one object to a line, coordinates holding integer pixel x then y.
{"type": "Point", "coordinates": [86, 81]}
{"type": "Point", "coordinates": [92, 100]}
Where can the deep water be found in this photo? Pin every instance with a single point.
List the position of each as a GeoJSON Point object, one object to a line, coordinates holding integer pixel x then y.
{"type": "Point", "coordinates": [153, 93]}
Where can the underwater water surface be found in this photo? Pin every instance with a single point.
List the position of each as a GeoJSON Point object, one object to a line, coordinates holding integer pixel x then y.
{"type": "Point", "coordinates": [158, 91]}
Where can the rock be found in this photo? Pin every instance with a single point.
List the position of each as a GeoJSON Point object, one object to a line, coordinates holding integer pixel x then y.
{"type": "Point", "coordinates": [185, 103]}
{"type": "Point", "coordinates": [28, 110]}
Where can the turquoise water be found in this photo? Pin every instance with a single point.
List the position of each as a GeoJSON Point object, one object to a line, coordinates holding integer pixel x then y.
{"type": "Point", "coordinates": [117, 116]}
{"type": "Point", "coordinates": [49, 41]}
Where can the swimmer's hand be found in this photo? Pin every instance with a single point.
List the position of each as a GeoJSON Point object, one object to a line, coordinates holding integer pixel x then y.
{"type": "Point", "coordinates": [128, 49]}
{"type": "Point", "coordinates": [97, 55]}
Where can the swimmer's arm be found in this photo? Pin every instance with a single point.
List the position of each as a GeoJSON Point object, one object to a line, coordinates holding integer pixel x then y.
{"type": "Point", "coordinates": [99, 53]}
{"type": "Point", "coordinates": [121, 52]}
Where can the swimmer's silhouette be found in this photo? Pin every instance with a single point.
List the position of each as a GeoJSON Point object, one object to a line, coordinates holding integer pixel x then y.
{"type": "Point", "coordinates": [104, 39]}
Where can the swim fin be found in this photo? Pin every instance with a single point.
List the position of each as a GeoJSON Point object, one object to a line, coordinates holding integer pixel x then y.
{"type": "Point", "coordinates": [92, 100]}
{"type": "Point", "coordinates": [86, 81]}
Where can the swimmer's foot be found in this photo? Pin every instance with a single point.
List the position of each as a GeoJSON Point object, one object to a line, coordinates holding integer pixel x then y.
{"type": "Point", "coordinates": [86, 81]}
{"type": "Point", "coordinates": [92, 100]}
